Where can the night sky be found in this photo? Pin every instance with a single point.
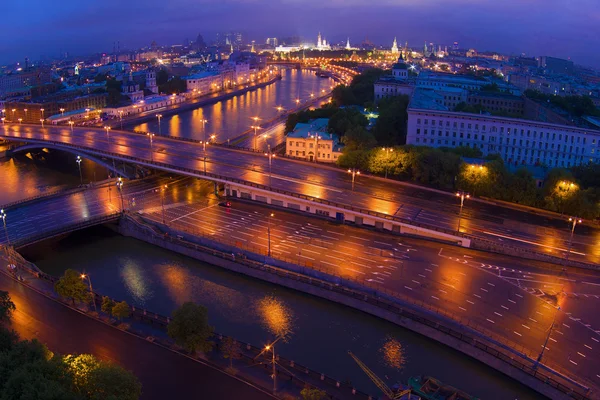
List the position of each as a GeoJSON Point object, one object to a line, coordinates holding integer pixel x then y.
{"type": "Point", "coordinates": [562, 28]}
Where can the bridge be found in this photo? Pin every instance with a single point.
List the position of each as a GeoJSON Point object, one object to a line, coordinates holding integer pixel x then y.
{"type": "Point", "coordinates": [324, 190]}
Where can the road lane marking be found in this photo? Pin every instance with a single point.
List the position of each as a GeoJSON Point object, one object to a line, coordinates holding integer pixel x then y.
{"type": "Point", "coordinates": [589, 347]}
{"type": "Point", "coordinates": [573, 362]}
{"type": "Point", "coordinates": [581, 354]}
{"type": "Point", "coordinates": [387, 244]}
{"type": "Point", "coordinates": [422, 276]}
{"type": "Point", "coordinates": [506, 308]}
{"type": "Point", "coordinates": [566, 325]}
{"type": "Point", "coordinates": [497, 313]}
{"type": "Point", "coordinates": [428, 270]}
{"type": "Point", "coordinates": [517, 333]}
{"type": "Point", "coordinates": [532, 319]}
{"type": "Point", "coordinates": [590, 283]}
{"type": "Point", "coordinates": [464, 309]}
{"type": "Point", "coordinates": [512, 301]}
{"type": "Point", "coordinates": [470, 302]}
{"type": "Point", "coordinates": [491, 284]}
{"type": "Point", "coordinates": [490, 320]}
{"type": "Point", "coordinates": [530, 242]}
{"type": "Point", "coordinates": [554, 340]}
{"type": "Point", "coordinates": [407, 287]}
{"type": "Point", "coordinates": [417, 282]}
{"type": "Point", "coordinates": [303, 256]}
{"type": "Point", "coordinates": [443, 291]}
{"type": "Point", "coordinates": [557, 331]}
{"type": "Point", "coordinates": [595, 340]}
{"type": "Point", "coordinates": [517, 294]}
{"type": "Point", "coordinates": [525, 326]}
{"type": "Point", "coordinates": [476, 295]}
{"type": "Point", "coordinates": [540, 313]}
{"type": "Point", "coordinates": [437, 298]}
{"type": "Point", "coordinates": [485, 290]}
{"type": "Point", "coordinates": [359, 238]}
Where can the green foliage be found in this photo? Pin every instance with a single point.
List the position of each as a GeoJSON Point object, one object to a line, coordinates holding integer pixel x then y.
{"type": "Point", "coordinates": [493, 87]}
{"type": "Point", "coordinates": [231, 349]}
{"type": "Point", "coordinates": [306, 115]}
{"type": "Point", "coordinates": [344, 119]}
{"type": "Point", "coordinates": [310, 393]}
{"type": "Point", "coordinates": [174, 85]}
{"type": "Point", "coordinates": [358, 138]}
{"type": "Point", "coordinates": [190, 329]}
{"type": "Point", "coordinates": [465, 151]}
{"type": "Point", "coordinates": [7, 307]}
{"type": "Point", "coordinates": [574, 105]}
{"type": "Point", "coordinates": [107, 305]}
{"type": "Point", "coordinates": [587, 175]}
{"type": "Point", "coordinates": [121, 310]}
{"type": "Point", "coordinates": [100, 78]}
{"type": "Point", "coordinates": [71, 286]}
{"type": "Point", "coordinates": [390, 128]}
{"type": "Point", "coordinates": [360, 91]}
{"type": "Point", "coordinates": [162, 76]}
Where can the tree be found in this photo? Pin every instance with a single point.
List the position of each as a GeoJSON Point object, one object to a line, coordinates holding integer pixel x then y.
{"type": "Point", "coordinates": [231, 349]}
{"type": "Point", "coordinates": [189, 327]}
{"type": "Point", "coordinates": [522, 188]}
{"type": "Point", "coordinates": [7, 307]}
{"type": "Point", "coordinates": [390, 128]}
{"type": "Point", "coordinates": [121, 310]}
{"type": "Point", "coordinates": [310, 393]}
{"type": "Point", "coordinates": [107, 305]}
{"type": "Point", "coordinates": [358, 138]}
{"type": "Point", "coordinates": [71, 286]}
{"type": "Point", "coordinates": [95, 379]}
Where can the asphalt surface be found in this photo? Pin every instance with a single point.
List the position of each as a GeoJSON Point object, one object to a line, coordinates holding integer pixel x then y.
{"type": "Point", "coordinates": [512, 300]}
{"type": "Point", "coordinates": [490, 222]}
{"type": "Point", "coordinates": [163, 374]}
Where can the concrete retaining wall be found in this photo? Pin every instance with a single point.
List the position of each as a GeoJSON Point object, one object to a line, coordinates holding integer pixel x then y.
{"type": "Point", "coordinates": [128, 228]}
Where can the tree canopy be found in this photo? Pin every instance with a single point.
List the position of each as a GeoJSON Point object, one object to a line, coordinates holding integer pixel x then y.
{"type": "Point", "coordinates": [72, 286]}
{"type": "Point", "coordinates": [189, 327]}
{"type": "Point", "coordinates": [7, 307]}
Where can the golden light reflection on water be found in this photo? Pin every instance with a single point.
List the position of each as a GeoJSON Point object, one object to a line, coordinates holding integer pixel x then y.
{"type": "Point", "coordinates": [275, 316]}
{"type": "Point", "coordinates": [136, 281]}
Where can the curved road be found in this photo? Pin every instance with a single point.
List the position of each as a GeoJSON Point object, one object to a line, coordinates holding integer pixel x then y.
{"type": "Point", "coordinates": [495, 223]}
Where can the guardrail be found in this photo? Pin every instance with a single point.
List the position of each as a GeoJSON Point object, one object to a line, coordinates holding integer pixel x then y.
{"type": "Point", "coordinates": [29, 240]}
{"type": "Point", "coordinates": [47, 195]}
{"type": "Point", "coordinates": [247, 183]}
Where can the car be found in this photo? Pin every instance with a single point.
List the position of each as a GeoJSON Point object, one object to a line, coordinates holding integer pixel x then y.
{"type": "Point", "coordinates": [225, 204]}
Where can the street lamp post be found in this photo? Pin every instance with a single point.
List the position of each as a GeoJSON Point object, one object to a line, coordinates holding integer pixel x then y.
{"type": "Point", "coordinates": [203, 129]}
{"type": "Point", "coordinates": [354, 172]}
{"type": "Point", "coordinates": [539, 359]}
{"type": "Point", "coordinates": [462, 196]}
{"type": "Point", "coordinates": [151, 137]}
{"type": "Point", "coordinates": [269, 235]}
{"type": "Point", "coordinates": [62, 112]}
{"type": "Point", "coordinates": [3, 216]}
{"type": "Point", "coordinates": [574, 222]}
{"type": "Point", "coordinates": [270, 155]}
{"type": "Point", "coordinates": [42, 122]}
{"type": "Point", "coordinates": [78, 161]}
{"type": "Point", "coordinates": [84, 276]}
{"type": "Point", "coordinates": [71, 123]}
{"type": "Point", "coordinates": [387, 150]}
{"type": "Point", "coordinates": [159, 116]}
{"type": "Point", "coordinates": [120, 188]}
{"type": "Point", "coordinates": [162, 202]}
{"type": "Point", "coordinates": [204, 154]}
{"type": "Point", "coordinates": [42, 111]}
{"type": "Point", "coordinates": [121, 118]}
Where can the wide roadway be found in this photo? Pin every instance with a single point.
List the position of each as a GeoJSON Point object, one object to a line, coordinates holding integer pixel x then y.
{"type": "Point", "coordinates": [489, 292]}
{"type": "Point", "coordinates": [491, 222]}
{"type": "Point", "coordinates": [163, 374]}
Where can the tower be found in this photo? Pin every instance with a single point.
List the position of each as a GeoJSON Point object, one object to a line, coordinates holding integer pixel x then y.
{"type": "Point", "coordinates": [319, 44]}
{"type": "Point", "coordinates": [395, 47]}
{"type": "Point", "coordinates": [348, 44]}
{"type": "Point", "coordinates": [252, 49]}
{"type": "Point", "coordinates": [425, 52]}
{"type": "Point", "coordinates": [151, 81]}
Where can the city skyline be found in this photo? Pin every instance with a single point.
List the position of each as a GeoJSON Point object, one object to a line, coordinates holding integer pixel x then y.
{"type": "Point", "coordinates": [531, 27]}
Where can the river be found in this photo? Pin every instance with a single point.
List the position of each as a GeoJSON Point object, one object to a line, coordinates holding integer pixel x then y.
{"type": "Point", "coordinates": [229, 118]}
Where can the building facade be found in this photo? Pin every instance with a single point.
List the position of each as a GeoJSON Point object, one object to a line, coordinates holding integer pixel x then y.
{"type": "Point", "coordinates": [518, 141]}
{"type": "Point", "coordinates": [311, 141]}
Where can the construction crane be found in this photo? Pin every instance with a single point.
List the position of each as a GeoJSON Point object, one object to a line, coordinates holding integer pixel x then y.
{"type": "Point", "coordinates": [378, 382]}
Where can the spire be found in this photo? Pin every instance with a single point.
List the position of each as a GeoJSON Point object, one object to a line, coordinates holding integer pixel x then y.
{"type": "Point", "coordinates": [252, 49]}
{"type": "Point", "coordinates": [348, 44]}
{"type": "Point", "coordinates": [395, 46]}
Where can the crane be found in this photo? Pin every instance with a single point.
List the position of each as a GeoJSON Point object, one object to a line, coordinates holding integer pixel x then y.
{"type": "Point", "coordinates": [378, 382]}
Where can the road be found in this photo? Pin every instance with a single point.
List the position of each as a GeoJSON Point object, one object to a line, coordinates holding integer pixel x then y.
{"type": "Point", "coordinates": [490, 222]}
{"type": "Point", "coordinates": [163, 373]}
{"type": "Point", "coordinates": [510, 299]}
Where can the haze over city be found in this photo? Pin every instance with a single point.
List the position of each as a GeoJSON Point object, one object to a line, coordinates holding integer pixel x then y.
{"type": "Point", "coordinates": [560, 28]}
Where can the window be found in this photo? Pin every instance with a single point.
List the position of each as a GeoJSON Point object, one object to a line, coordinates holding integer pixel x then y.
{"type": "Point", "coordinates": [418, 131]}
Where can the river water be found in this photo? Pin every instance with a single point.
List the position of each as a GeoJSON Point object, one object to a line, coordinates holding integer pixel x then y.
{"type": "Point", "coordinates": [159, 280]}
{"type": "Point", "coordinates": [229, 118]}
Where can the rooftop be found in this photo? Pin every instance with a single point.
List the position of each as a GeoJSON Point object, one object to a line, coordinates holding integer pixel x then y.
{"type": "Point", "coordinates": [201, 75]}
{"type": "Point", "coordinates": [316, 126]}
{"type": "Point", "coordinates": [427, 99]}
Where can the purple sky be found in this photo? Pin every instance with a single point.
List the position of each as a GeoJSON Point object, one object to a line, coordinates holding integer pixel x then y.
{"type": "Point", "coordinates": [561, 28]}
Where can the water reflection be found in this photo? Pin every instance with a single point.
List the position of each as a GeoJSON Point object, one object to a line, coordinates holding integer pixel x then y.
{"type": "Point", "coordinates": [136, 281]}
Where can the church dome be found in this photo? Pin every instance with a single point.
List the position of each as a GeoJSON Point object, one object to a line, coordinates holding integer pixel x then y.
{"type": "Point", "coordinates": [400, 64]}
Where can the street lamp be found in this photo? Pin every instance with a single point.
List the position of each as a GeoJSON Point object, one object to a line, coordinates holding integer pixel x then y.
{"type": "Point", "coordinates": [269, 154]}
{"type": "Point", "coordinates": [71, 123]}
{"type": "Point", "coordinates": [162, 202]}
{"type": "Point", "coordinates": [354, 172]}
{"type": "Point", "coordinates": [25, 113]}
{"type": "Point", "coordinates": [78, 161]}
{"type": "Point", "coordinates": [203, 129]}
{"type": "Point", "coordinates": [3, 216]}
{"type": "Point", "coordinates": [20, 120]}
{"type": "Point", "coordinates": [13, 113]}
{"type": "Point", "coordinates": [255, 128]}
{"type": "Point", "coordinates": [62, 112]}
{"type": "Point", "coordinates": [120, 188]}
{"type": "Point", "coordinates": [151, 136]}
{"type": "Point", "coordinates": [84, 276]}
{"type": "Point", "coordinates": [3, 122]}
{"type": "Point", "coordinates": [269, 234]}
{"type": "Point", "coordinates": [574, 221]}
{"type": "Point", "coordinates": [387, 150]}
{"type": "Point", "coordinates": [42, 122]}
{"type": "Point", "coordinates": [159, 116]}
{"type": "Point", "coordinates": [42, 111]}
{"type": "Point", "coordinates": [462, 196]}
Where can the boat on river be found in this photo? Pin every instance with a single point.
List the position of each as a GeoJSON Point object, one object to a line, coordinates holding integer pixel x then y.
{"type": "Point", "coordinates": [429, 388]}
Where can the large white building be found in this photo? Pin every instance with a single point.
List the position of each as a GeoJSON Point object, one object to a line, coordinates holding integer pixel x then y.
{"type": "Point", "coordinates": [518, 141]}
{"type": "Point", "coordinates": [204, 82]}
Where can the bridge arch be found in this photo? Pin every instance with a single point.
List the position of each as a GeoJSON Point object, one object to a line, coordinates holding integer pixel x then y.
{"type": "Point", "coordinates": [37, 146]}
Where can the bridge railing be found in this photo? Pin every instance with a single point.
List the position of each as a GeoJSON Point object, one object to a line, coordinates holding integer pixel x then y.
{"type": "Point", "coordinates": [46, 195]}
{"type": "Point", "coordinates": [223, 178]}
{"type": "Point", "coordinates": [28, 240]}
